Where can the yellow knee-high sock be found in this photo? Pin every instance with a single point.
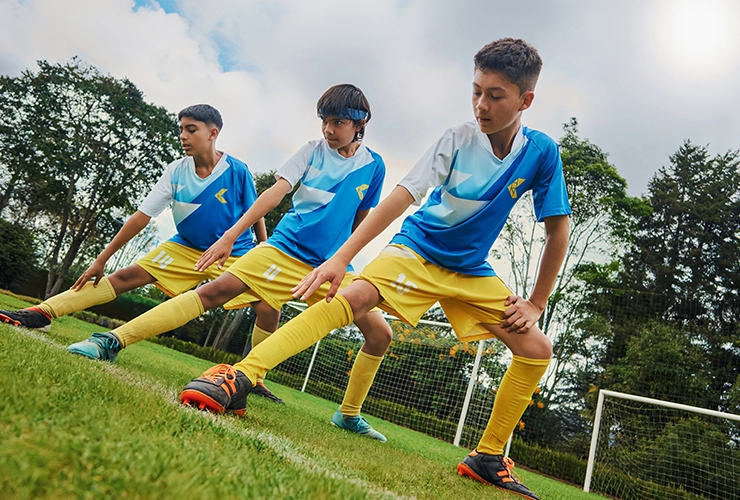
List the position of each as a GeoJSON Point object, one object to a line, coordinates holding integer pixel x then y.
{"type": "Point", "coordinates": [301, 332]}
{"type": "Point", "coordinates": [163, 318]}
{"type": "Point", "coordinates": [258, 336]}
{"type": "Point", "coordinates": [360, 380]}
{"type": "Point", "coordinates": [71, 301]}
{"type": "Point", "coordinates": [512, 398]}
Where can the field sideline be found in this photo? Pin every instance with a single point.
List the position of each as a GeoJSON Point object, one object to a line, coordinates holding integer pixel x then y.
{"type": "Point", "coordinates": [76, 428]}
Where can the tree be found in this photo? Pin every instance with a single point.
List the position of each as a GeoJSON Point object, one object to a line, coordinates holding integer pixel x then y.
{"type": "Point", "coordinates": [81, 149]}
{"type": "Point", "coordinates": [17, 252]}
{"type": "Point", "coordinates": [682, 269]}
{"type": "Point", "coordinates": [602, 215]}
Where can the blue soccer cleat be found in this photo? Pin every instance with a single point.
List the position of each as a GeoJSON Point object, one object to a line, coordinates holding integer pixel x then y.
{"type": "Point", "coordinates": [357, 424]}
{"type": "Point", "coordinates": [104, 346]}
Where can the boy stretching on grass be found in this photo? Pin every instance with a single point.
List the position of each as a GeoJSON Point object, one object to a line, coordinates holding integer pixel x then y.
{"type": "Point", "coordinates": [340, 181]}
{"type": "Point", "coordinates": [478, 171]}
{"type": "Point", "coordinates": [209, 191]}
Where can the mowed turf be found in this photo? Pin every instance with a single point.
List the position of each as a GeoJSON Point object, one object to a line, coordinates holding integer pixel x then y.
{"type": "Point", "coordinates": [76, 428]}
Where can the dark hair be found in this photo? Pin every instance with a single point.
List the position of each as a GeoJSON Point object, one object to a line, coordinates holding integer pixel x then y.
{"type": "Point", "coordinates": [346, 101]}
{"type": "Point", "coordinates": [203, 113]}
{"type": "Point", "coordinates": [515, 58]}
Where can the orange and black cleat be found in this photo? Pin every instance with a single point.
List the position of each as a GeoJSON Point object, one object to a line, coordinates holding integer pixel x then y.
{"type": "Point", "coordinates": [31, 317]}
{"type": "Point", "coordinates": [494, 470]}
{"type": "Point", "coordinates": [220, 389]}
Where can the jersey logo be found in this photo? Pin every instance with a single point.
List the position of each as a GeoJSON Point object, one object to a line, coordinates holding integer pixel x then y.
{"type": "Point", "coordinates": [361, 190]}
{"type": "Point", "coordinates": [163, 259]}
{"type": "Point", "coordinates": [271, 272]}
{"type": "Point", "coordinates": [402, 285]}
{"type": "Point", "coordinates": [513, 186]}
{"type": "Point", "coordinates": [220, 196]}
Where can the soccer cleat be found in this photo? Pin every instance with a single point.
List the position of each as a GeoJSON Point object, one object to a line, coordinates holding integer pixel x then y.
{"type": "Point", "coordinates": [357, 425]}
{"type": "Point", "coordinates": [103, 346]}
{"type": "Point", "coordinates": [494, 470]}
{"type": "Point", "coordinates": [32, 317]}
{"type": "Point", "coordinates": [220, 389]}
{"type": "Point", "coordinates": [260, 390]}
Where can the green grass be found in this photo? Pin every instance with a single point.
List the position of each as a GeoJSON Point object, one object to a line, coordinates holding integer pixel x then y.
{"type": "Point", "coordinates": [76, 428]}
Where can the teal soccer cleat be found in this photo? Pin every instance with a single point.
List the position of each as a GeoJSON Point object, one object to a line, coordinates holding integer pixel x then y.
{"type": "Point", "coordinates": [357, 424]}
{"type": "Point", "coordinates": [104, 346]}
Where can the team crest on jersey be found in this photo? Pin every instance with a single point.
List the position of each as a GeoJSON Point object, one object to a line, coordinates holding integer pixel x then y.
{"type": "Point", "coordinates": [361, 190]}
{"type": "Point", "coordinates": [514, 185]}
{"type": "Point", "coordinates": [220, 196]}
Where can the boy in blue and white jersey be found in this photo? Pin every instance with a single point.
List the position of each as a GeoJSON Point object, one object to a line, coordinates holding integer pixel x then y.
{"type": "Point", "coordinates": [339, 180]}
{"type": "Point", "coordinates": [209, 191]}
{"type": "Point", "coordinates": [478, 171]}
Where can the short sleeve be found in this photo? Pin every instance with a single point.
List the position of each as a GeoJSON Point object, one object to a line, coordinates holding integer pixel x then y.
{"type": "Point", "coordinates": [549, 193]}
{"type": "Point", "coordinates": [372, 196]}
{"type": "Point", "coordinates": [160, 196]}
{"type": "Point", "coordinates": [432, 168]}
{"type": "Point", "coordinates": [294, 169]}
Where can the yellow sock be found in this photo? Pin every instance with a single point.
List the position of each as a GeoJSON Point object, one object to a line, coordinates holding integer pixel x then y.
{"type": "Point", "coordinates": [163, 318]}
{"type": "Point", "coordinates": [301, 332]}
{"type": "Point", "coordinates": [512, 398]}
{"type": "Point", "coordinates": [71, 301]}
{"type": "Point", "coordinates": [258, 336]}
{"type": "Point", "coordinates": [362, 376]}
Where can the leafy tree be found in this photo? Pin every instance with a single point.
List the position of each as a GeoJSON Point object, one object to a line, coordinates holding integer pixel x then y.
{"type": "Point", "coordinates": [603, 215]}
{"type": "Point", "coordinates": [681, 269]}
{"type": "Point", "coordinates": [81, 149]}
{"type": "Point", "coordinates": [17, 252]}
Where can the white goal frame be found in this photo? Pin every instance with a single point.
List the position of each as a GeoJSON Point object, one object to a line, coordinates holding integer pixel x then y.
{"type": "Point", "coordinates": [657, 402]}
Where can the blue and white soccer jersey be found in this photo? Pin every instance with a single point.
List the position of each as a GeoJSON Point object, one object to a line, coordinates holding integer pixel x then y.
{"type": "Point", "coordinates": [332, 190]}
{"type": "Point", "coordinates": [474, 193]}
{"type": "Point", "coordinates": [204, 209]}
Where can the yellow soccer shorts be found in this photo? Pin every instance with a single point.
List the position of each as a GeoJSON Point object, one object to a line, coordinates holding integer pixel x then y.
{"type": "Point", "coordinates": [270, 274]}
{"type": "Point", "coordinates": [410, 285]}
{"type": "Point", "coordinates": [173, 267]}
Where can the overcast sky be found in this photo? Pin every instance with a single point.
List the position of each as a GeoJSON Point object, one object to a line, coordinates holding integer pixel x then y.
{"type": "Point", "coordinates": [641, 76]}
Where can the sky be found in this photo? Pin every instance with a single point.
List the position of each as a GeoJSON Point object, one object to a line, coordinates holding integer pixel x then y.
{"type": "Point", "coordinates": [640, 76]}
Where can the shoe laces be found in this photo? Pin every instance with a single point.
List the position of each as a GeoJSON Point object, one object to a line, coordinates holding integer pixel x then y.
{"type": "Point", "coordinates": [107, 341]}
{"type": "Point", "coordinates": [509, 464]}
{"type": "Point", "coordinates": [220, 372]}
{"type": "Point", "coordinates": [359, 423]}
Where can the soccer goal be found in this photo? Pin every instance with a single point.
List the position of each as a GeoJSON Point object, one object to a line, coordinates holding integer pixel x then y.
{"type": "Point", "coordinates": [646, 448]}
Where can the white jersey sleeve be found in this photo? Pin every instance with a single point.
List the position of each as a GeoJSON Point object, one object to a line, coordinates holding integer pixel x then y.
{"type": "Point", "coordinates": [161, 195]}
{"type": "Point", "coordinates": [294, 169]}
{"type": "Point", "coordinates": [432, 168]}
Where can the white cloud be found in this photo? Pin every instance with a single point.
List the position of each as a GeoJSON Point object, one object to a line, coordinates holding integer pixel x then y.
{"type": "Point", "coordinates": [264, 65]}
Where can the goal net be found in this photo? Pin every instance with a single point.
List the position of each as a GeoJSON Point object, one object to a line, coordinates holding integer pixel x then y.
{"type": "Point", "coordinates": [645, 448]}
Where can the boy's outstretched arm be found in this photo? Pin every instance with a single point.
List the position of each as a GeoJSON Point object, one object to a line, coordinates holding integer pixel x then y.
{"type": "Point", "coordinates": [524, 313]}
{"type": "Point", "coordinates": [260, 230]}
{"type": "Point", "coordinates": [334, 269]}
{"type": "Point", "coordinates": [221, 249]}
{"type": "Point", "coordinates": [131, 228]}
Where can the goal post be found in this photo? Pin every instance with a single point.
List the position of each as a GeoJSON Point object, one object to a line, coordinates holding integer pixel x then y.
{"type": "Point", "coordinates": [630, 435]}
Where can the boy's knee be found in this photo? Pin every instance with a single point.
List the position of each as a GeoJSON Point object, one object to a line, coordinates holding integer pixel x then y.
{"type": "Point", "coordinates": [267, 318]}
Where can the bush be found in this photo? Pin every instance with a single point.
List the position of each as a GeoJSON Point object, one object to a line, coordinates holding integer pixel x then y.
{"type": "Point", "coordinates": [17, 252]}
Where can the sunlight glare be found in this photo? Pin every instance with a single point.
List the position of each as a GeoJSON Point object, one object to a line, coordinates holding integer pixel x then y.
{"type": "Point", "coordinates": [697, 35]}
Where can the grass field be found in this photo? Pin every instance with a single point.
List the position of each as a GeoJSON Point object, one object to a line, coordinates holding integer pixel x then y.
{"type": "Point", "coordinates": [76, 428]}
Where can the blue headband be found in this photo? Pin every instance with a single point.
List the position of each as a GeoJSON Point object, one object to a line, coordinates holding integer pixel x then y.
{"type": "Point", "coordinates": [352, 114]}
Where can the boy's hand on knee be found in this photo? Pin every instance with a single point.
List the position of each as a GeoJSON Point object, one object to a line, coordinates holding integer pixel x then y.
{"type": "Point", "coordinates": [219, 251]}
{"type": "Point", "coordinates": [331, 271]}
{"type": "Point", "coordinates": [95, 271]}
{"type": "Point", "coordinates": [521, 315]}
